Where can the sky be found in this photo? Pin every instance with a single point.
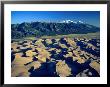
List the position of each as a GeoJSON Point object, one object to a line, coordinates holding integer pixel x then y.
{"type": "Point", "coordinates": [89, 17]}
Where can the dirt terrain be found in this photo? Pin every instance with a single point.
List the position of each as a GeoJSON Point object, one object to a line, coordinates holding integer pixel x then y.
{"type": "Point", "coordinates": [55, 57]}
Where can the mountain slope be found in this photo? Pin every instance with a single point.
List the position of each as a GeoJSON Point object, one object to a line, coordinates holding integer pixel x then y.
{"type": "Point", "coordinates": [38, 29]}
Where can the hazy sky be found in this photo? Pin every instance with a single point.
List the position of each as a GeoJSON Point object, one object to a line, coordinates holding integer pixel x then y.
{"type": "Point", "coordinates": [90, 17]}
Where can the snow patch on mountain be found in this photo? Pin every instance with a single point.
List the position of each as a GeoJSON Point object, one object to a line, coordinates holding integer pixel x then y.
{"type": "Point", "coordinates": [71, 21]}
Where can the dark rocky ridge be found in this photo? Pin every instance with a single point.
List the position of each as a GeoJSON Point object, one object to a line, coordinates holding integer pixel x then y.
{"type": "Point", "coordinates": [44, 28]}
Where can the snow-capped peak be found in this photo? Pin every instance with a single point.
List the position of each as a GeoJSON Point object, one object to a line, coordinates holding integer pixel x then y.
{"type": "Point", "coordinates": [70, 21]}
{"type": "Point", "coordinates": [66, 21]}
{"type": "Point", "coordinates": [80, 22]}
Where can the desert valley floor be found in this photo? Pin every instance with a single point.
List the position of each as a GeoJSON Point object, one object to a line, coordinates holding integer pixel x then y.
{"type": "Point", "coordinates": [52, 57]}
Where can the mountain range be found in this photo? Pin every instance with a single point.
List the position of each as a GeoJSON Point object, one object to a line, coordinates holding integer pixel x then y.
{"type": "Point", "coordinates": [39, 29]}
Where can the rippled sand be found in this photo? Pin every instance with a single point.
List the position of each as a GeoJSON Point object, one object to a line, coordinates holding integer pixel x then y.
{"type": "Point", "coordinates": [62, 57]}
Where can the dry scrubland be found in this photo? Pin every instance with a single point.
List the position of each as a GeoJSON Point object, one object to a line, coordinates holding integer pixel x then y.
{"type": "Point", "coordinates": [59, 56]}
